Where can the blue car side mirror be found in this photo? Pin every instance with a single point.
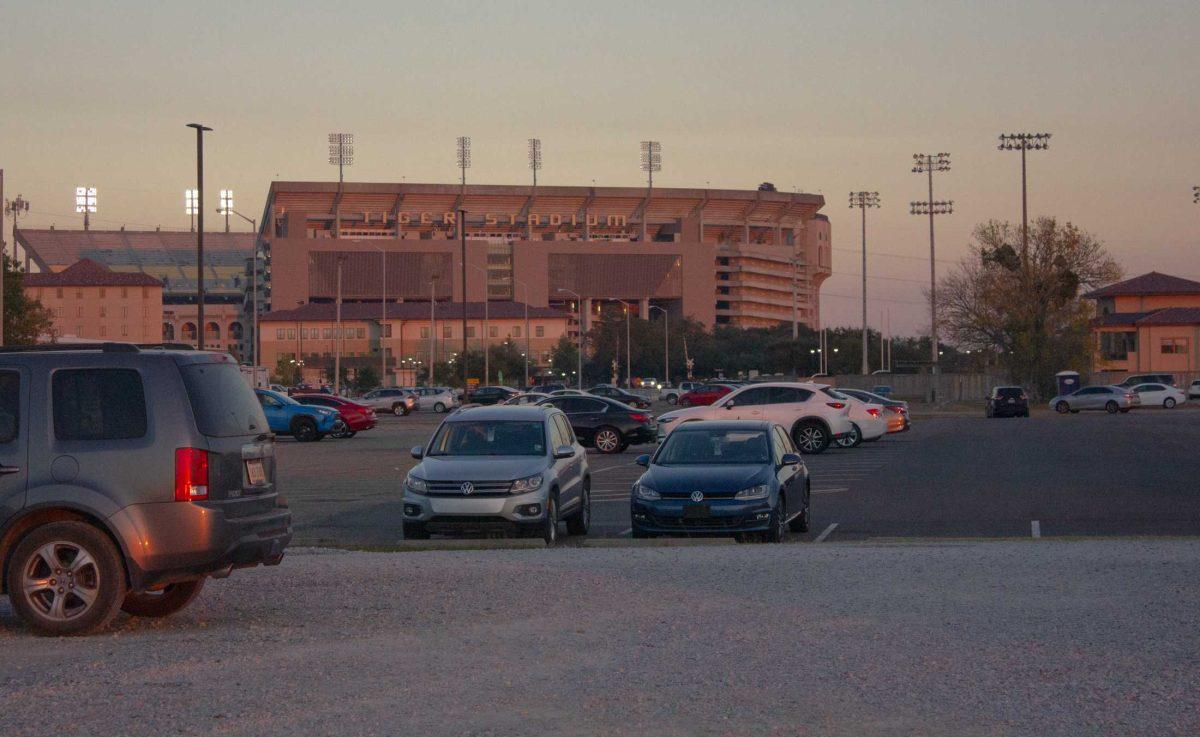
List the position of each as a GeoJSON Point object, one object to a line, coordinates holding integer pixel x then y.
{"type": "Point", "coordinates": [791, 459]}
{"type": "Point", "coordinates": [642, 460]}
{"type": "Point", "coordinates": [417, 452]}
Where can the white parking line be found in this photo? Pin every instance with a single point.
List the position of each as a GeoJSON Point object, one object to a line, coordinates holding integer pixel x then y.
{"type": "Point", "coordinates": [1035, 528]}
{"type": "Point", "coordinates": [609, 501]}
{"type": "Point", "coordinates": [626, 532]}
{"type": "Point", "coordinates": [826, 533]}
{"type": "Point", "coordinates": [612, 468]}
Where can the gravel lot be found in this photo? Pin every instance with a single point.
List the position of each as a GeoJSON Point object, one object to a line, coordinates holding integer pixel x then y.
{"type": "Point", "coordinates": [980, 638]}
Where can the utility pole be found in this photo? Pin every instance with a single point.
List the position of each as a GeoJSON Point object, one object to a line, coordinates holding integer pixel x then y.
{"type": "Point", "coordinates": [432, 324]}
{"type": "Point", "coordinates": [579, 351]}
{"type": "Point", "coordinates": [200, 129]}
{"type": "Point", "coordinates": [462, 241]}
{"type": "Point", "coordinates": [1024, 142]}
{"type": "Point", "coordinates": [927, 164]}
{"type": "Point", "coordinates": [525, 287]}
{"type": "Point", "coordinates": [628, 347]}
{"type": "Point", "coordinates": [795, 309]}
{"type": "Point", "coordinates": [666, 342]}
{"type": "Point", "coordinates": [863, 201]}
{"type": "Point", "coordinates": [337, 333]}
{"type": "Point", "coordinates": [254, 278]}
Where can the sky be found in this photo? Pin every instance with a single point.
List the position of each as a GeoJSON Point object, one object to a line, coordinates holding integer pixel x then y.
{"type": "Point", "coordinates": [826, 97]}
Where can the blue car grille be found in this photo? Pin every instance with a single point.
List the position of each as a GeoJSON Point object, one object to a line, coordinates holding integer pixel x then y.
{"type": "Point", "coordinates": [688, 494]}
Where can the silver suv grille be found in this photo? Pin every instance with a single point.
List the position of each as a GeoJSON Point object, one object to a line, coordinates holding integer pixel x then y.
{"type": "Point", "coordinates": [477, 488]}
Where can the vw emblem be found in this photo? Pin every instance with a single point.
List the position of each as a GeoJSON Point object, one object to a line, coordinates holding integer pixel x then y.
{"type": "Point", "coordinates": [467, 487]}
{"type": "Point", "coordinates": [697, 496]}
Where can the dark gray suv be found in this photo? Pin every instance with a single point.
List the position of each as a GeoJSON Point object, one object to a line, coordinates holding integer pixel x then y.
{"type": "Point", "coordinates": [127, 477]}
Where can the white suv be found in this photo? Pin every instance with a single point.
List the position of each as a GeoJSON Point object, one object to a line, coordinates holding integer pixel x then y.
{"type": "Point", "coordinates": [813, 418]}
{"type": "Point", "coordinates": [672, 394]}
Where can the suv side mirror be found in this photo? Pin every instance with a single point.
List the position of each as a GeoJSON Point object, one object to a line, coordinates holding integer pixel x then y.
{"type": "Point", "coordinates": [642, 460]}
{"type": "Point", "coordinates": [790, 459]}
{"type": "Point", "coordinates": [564, 451]}
{"type": "Point", "coordinates": [418, 452]}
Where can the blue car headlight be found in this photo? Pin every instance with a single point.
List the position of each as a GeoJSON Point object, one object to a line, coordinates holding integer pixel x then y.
{"type": "Point", "coordinates": [416, 484]}
{"type": "Point", "coordinates": [762, 491]}
{"type": "Point", "coordinates": [526, 485]}
{"type": "Point", "coordinates": [645, 493]}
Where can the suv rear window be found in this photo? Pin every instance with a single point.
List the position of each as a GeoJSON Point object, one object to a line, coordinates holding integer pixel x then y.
{"type": "Point", "coordinates": [98, 404]}
{"type": "Point", "coordinates": [1009, 392]}
{"type": "Point", "coordinates": [224, 405]}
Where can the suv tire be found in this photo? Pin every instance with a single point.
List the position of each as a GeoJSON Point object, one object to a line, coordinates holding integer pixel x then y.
{"type": "Point", "coordinates": [57, 609]}
{"type": "Point", "coordinates": [400, 409]}
{"type": "Point", "coordinates": [415, 531]}
{"type": "Point", "coordinates": [581, 521]}
{"type": "Point", "coordinates": [304, 430]}
{"type": "Point", "coordinates": [810, 437]}
{"type": "Point", "coordinates": [163, 602]}
{"type": "Point", "coordinates": [550, 524]}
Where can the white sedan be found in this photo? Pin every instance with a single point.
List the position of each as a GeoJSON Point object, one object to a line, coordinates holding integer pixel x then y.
{"type": "Point", "coordinates": [813, 418]}
{"type": "Point", "coordinates": [1159, 395]}
{"type": "Point", "coordinates": [869, 420]}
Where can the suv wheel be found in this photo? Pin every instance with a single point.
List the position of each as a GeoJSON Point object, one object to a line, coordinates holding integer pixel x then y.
{"type": "Point", "coordinates": [550, 525]}
{"type": "Point", "coordinates": [304, 430]}
{"type": "Point", "coordinates": [66, 578]}
{"type": "Point", "coordinates": [811, 437]}
{"type": "Point", "coordinates": [162, 602]}
{"type": "Point", "coordinates": [399, 409]}
{"type": "Point", "coordinates": [853, 440]}
{"type": "Point", "coordinates": [415, 531]}
{"type": "Point", "coordinates": [608, 440]}
{"type": "Point", "coordinates": [581, 521]}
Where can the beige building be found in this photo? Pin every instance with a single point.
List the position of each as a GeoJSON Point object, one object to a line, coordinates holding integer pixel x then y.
{"type": "Point", "coordinates": [309, 334]}
{"type": "Point", "coordinates": [88, 300]}
{"type": "Point", "coordinates": [1148, 324]}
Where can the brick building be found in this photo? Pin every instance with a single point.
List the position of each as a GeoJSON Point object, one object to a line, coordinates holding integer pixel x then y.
{"type": "Point", "coordinates": [88, 300]}
{"type": "Point", "coordinates": [1150, 323]}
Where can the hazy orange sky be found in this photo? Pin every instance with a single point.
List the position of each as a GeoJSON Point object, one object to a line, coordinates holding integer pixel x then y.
{"type": "Point", "coordinates": [824, 97]}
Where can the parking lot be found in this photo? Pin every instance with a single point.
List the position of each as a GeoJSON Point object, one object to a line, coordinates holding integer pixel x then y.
{"type": "Point", "coordinates": [950, 476]}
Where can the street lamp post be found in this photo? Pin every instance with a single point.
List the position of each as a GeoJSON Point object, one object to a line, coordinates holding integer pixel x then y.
{"type": "Point", "coordinates": [666, 341]}
{"type": "Point", "coordinates": [484, 333]}
{"type": "Point", "coordinates": [579, 350]}
{"type": "Point", "coordinates": [254, 294]}
{"type": "Point", "coordinates": [628, 353]}
{"type": "Point", "coordinates": [863, 201]}
{"type": "Point", "coordinates": [200, 129]}
{"type": "Point", "coordinates": [927, 164]}
{"type": "Point", "coordinates": [462, 241]}
{"type": "Point", "coordinates": [1024, 142]}
{"type": "Point", "coordinates": [525, 287]}
{"type": "Point", "coordinates": [337, 333]}
{"type": "Point", "coordinates": [432, 324]}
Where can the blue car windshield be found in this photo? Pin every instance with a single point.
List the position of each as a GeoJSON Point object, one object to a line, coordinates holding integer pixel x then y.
{"type": "Point", "coordinates": [480, 438]}
{"type": "Point", "coordinates": [686, 447]}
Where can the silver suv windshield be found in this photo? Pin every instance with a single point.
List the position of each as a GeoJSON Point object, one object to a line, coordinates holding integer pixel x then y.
{"type": "Point", "coordinates": [489, 438]}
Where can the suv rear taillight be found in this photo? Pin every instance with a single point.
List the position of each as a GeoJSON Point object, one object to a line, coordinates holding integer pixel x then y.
{"type": "Point", "coordinates": [191, 474]}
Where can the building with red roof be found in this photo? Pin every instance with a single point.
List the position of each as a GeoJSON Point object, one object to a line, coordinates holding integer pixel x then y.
{"type": "Point", "coordinates": [1148, 324]}
{"type": "Point", "coordinates": [91, 301]}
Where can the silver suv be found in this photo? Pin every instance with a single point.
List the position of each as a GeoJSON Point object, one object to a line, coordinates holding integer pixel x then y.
{"type": "Point", "coordinates": [499, 469]}
{"type": "Point", "coordinates": [392, 399]}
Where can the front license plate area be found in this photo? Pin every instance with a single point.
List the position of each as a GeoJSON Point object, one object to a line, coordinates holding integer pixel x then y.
{"type": "Point", "coordinates": [696, 511]}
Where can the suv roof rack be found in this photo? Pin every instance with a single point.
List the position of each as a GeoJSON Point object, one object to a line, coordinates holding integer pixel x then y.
{"type": "Point", "coordinates": [51, 347]}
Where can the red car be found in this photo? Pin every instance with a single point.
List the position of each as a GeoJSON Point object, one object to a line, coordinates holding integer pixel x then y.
{"type": "Point", "coordinates": [356, 416]}
{"type": "Point", "coordinates": [704, 395]}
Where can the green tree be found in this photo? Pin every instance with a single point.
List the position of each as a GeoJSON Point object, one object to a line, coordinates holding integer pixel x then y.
{"type": "Point", "coordinates": [25, 319]}
{"type": "Point", "coordinates": [365, 379]}
{"type": "Point", "coordinates": [286, 372]}
{"type": "Point", "coordinates": [564, 357]}
{"type": "Point", "coordinates": [1029, 315]}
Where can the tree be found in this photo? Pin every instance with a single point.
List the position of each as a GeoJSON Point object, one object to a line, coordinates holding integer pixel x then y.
{"type": "Point", "coordinates": [25, 319]}
{"type": "Point", "coordinates": [1030, 315]}
{"type": "Point", "coordinates": [286, 372]}
{"type": "Point", "coordinates": [564, 357]}
{"type": "Point", "coordinates": [365, 379]}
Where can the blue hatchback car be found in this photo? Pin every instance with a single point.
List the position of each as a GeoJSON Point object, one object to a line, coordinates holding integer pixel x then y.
{"type": "Point", "coordinates": [735, 478]}
{"type": "Point", "coordinates": [304, 422]}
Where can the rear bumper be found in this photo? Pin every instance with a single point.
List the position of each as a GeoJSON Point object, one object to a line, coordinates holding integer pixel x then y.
{"type": "Point", "coordinates": [174, 541]}
{"type": "Point", "coordinates": [641, 435]}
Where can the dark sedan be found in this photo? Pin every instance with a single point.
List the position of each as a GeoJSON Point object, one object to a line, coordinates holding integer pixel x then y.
{"type": "Point", "coordinates": [739, 478]}
{"type": "Point", "coordinates": [611, 392]}
{"type": "Point", "coordinates": [492, 395]}
{"type": "Point", "coordinates": [605, 424]}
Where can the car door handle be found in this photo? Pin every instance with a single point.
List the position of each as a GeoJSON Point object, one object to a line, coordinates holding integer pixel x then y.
{"type": "Point", "coordinates": [6, 470]}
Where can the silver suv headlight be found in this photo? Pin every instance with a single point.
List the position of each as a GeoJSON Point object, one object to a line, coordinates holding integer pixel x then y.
{"type": "Point", "coordinates": [754, 492]}
{"type": "Point", "coordinates": [641, 491]}
{"type": "Point", "coordinates": [526, 485]}
{"type": "Point", "coordinates": [416, 484]}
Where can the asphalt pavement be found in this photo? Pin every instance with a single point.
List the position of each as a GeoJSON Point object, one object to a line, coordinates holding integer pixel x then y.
{"type": "Point", "coordinates": [957, 476]}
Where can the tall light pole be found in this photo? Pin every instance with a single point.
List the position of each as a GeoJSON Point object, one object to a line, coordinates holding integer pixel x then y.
{"type": "Point", "coordinates": [337, 333]}
{"type": "Point", "coordinates": [628, 345]}
{"type": "Point", "coordinates": [85, 202]}
{"type": "Point", "coordinates": [666, 341]}
{"type": "Point", "coordinates": [651, 160]}
{"type": "Point", "coordinates": [383, 320]}
{"type": "Point", "coordinates": [795, 263]}
{"type": "Point", "coordinates": [487, 372]}
{"type": "Point", "coordinates": [191, 205]}
{"type": "Point", "coordinates": [200, 129]}
{"type": "Point", "coordinates": [535, 157]}
{"type": "Point", "coordinates": [254, 278]}
{"type": "Point", "coordinates": [579, 351]}
{"type": "Point", "coordinates": [462, 241]}
{"type": "Point", "coordinates": [341, 153]}
{"type": "Point", "coordinates": [1024, 142]}
{"type": "Point", "coordinates": [863, 201]}
{"type": "Point", "coordinates": [927, 164]}
{"type": "Point", "coordinates": [432, 323]}
{"type": "Point", "coordinates": [463, 144]}
{"type": "Point", "coordinates": [226, 206]}
{"type": "Point", "coordinates": [525, 287]}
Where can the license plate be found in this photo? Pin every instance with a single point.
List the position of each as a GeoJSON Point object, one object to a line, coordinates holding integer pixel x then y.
{"type": "Point", "coordinates": [254, 472]}
{"type": "Point", "coordinates": [1012, 401]}
{"type": "Point", "coordinates": [696, 511]}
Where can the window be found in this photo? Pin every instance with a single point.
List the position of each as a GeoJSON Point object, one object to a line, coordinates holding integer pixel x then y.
{"type": "Point", "coordinates": [10, 405]}
{"type": "Point", "coordinates": [360, 333]}
{"type": "Point", "coordinates": [470, 331]}
{"type": "Point", "coordinates": [103, 331]}
{"type": "Point", "coordinates": [103, 293]}
{"type": "Point", "coordinates": [79, 311]}
{"type": "Point", "coordinates": [124, 311]}
{"type": "Point", "coordinates": [789, 395]}
{"type": "Point", "coordinates": [328, 333]}
{"type": "Point", "coordinates": [58, 312]}
{"type": "Point", "coordinates": [753, 397]}
{"type": "Point", "coordinates": [1174, 345]}
{"type": "Point", "coordinates": [58, 293]}
{"type": "Point", "coordinates": [516, 331]}
{"type": "Point", "coordinates": [291, 334]}
{"type": "Point", "coordinates": [1118, 346]}
{"type": "Point", "coordinates": [124, 293]}
{"type": "Point", "coordinates": [425, 333]}
{"type": "Point", "coordinates": [98, 404]}
{"type": "Point", "coordinates": [493, 331]}
{"type": "Point", "coordinates": [278, 333]}
{"type": "Point", "coordinates": [540, 331]}
{"type": "Point", "coordinates": [446, 331]}
{"type": "Point", "coordinates": [124, 330]}
{"type": "Point", "coordinates": [103, 311]}
{"type": "Point", "coordinates": [387, 331]}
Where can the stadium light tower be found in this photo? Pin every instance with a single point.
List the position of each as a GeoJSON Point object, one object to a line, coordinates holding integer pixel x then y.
{"type": "Point", "coordinates": [191, 205]}
{"type": "Point", "coordinates": [341, 152]}
{"type": "Point", "coordinates": [864, 201]}
{"type": "Point", "coordinates": [85, 202]}
{"type": "Point", "coordinates": [535, 157]}
{"type": "Point", "coordinates": [1024, 142]}
{"type": "Point", "coordinates": [651, 160]}
{"type": "Point", "coordinates": [463, 144]}
{"type": "Point", "coordinates": [927, 164]}
{"type": "Point", "coordinates": [226, 206]}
